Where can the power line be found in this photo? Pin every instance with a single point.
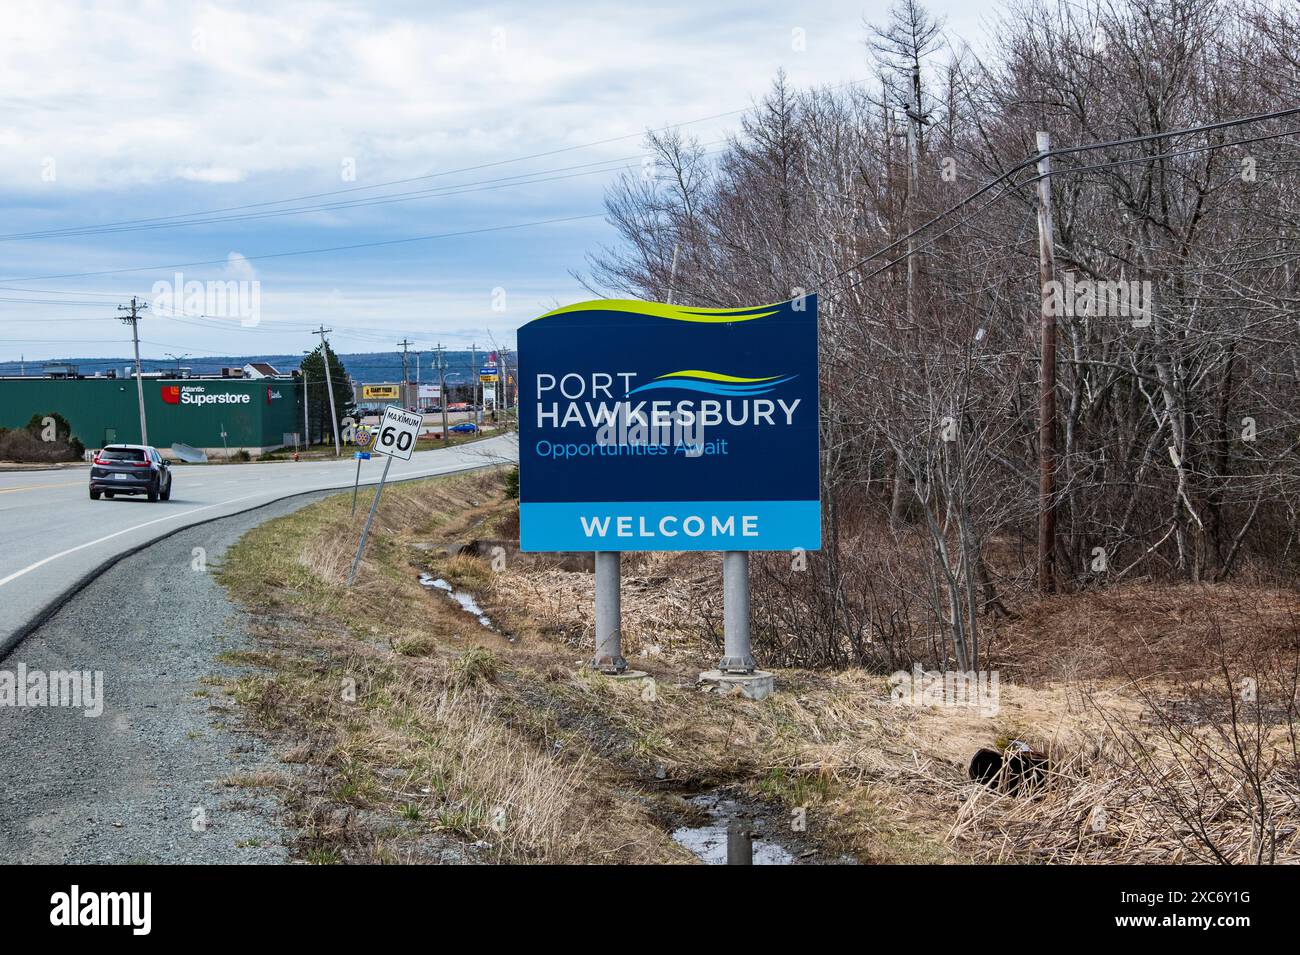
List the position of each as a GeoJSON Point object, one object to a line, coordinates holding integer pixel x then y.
{"type": "Point", "coordinates": [335, 248]}
{"type": "Point", "coordinates": [1070, 170]}
{"type": "Point", "coordinates": [1063, 151]}
{"type": "Point", "coordinates": [450, 172]}
{"type": "Point", "coordinates": [441, 193]}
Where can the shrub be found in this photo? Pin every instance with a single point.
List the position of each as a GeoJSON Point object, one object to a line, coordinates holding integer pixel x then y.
{"type": "Point", "coordinates": [19, 444]}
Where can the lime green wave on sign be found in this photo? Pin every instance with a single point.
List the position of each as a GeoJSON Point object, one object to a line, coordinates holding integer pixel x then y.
{"type": "Point", "coordinates": [678, 313]}
{"type": "Point", "coordinates": [715, 376]}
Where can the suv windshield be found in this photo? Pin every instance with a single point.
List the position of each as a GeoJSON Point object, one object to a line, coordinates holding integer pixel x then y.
{"type": "Point", "coordinates": [121, 454]}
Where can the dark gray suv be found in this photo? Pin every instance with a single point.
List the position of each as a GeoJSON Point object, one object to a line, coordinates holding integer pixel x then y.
{"type": "Point", "coordinates": [130, 469]}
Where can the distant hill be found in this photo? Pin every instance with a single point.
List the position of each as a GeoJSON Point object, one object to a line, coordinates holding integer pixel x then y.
{"type": "Point", "coordinates": [363, 366]}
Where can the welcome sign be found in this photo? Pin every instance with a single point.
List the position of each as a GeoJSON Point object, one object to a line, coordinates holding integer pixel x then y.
{"type": "Point", "coordinates": [646, 426]}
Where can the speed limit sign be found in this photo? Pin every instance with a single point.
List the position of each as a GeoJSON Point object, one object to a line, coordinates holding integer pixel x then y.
{"type": "Point", "coordinates": [398, 432]}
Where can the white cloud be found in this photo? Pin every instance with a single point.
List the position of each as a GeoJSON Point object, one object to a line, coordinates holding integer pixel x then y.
{"type": "Point", "coordinates": [239, 268]}
{"type": "Point", "coordinates": [151, 109]}
{"type": "Point", "coordinates": [121, 92]}
{"type": "Point", "coordinates": [210, 174]}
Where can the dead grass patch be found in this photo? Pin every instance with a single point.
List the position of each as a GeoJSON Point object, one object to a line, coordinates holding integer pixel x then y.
{"type": "Point", "coordinates": [455, 733]}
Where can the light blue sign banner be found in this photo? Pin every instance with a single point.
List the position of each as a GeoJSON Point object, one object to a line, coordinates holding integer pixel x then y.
{"type": "Point", "coordinates": [676, 525]}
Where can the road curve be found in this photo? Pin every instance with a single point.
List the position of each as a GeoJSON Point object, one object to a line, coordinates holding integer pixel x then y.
{"type": "Point", "coordinates": [54, 539]}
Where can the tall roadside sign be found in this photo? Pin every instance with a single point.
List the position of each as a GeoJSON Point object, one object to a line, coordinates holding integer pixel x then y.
{"type": "Point", "coordinates": [654, 427]}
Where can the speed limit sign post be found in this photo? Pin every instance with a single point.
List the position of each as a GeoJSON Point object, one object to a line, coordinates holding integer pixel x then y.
{"type": "Point", "coordinates": [395, 439]}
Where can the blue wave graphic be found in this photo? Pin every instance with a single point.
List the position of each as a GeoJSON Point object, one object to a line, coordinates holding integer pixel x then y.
{"type": "Point", "coordinates": [725, 389]}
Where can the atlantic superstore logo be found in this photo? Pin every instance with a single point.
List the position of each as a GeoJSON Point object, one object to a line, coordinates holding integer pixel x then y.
{"type": "Point", "coordinates": [199, 395]}
{"type": "Point", "coordinates": [272, 394]}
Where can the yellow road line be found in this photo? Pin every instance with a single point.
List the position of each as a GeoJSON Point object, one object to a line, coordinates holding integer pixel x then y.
{"type": "Point", "coordinates": [33, 487]}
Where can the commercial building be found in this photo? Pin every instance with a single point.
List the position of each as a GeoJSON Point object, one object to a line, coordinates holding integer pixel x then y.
{"type": "Point", "coordinates": [255, 415]}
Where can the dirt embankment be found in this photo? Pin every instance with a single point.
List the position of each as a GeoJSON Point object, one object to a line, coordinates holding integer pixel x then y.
{"type": "Point", "coordinates": [425, 734]}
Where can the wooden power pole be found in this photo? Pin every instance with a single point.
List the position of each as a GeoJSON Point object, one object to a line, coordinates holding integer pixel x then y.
{"type": "Point", "coordinates": [406, 379]}
{"type": "Point", "coordinates": [442, 390]}
{"type": "Point", "coordinates": [1046, 376]}
{"type": "Point", "coordinates": [133, 319]}
{"type": "Point", "coordinates": [329, 385]}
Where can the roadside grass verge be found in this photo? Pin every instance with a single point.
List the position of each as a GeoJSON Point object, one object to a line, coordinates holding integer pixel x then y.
{"type": "Point", "coordinates": [421, 735]}
{"type": "Point", "coordinates": [419, 730]}
{"type": "Point", "coordinates": [399, 707]}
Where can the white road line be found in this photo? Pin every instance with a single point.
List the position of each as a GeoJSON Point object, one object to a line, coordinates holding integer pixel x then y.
{"type": "Point", "coordinates": [126, 530]}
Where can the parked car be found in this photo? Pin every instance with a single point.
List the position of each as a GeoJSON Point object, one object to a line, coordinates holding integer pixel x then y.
{"type": "Point", "coordinates": [130, 469]}
{"type": "Point", "coordinates": [467, 427]}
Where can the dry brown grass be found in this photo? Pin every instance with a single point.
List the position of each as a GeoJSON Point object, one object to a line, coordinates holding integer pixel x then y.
{"type": "Point", "coordinates": [1143, 628]}
{"type": "Point", "coordinates": [661, 600]}
{"type": "Point", "coordinates": [454, 723]}
{"type": "Point", "coordinates": [435, 739]}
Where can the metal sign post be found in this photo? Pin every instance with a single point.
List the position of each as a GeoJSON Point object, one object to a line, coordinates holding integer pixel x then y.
{"type": "Point", "coordinates": [737, 656]}
{"type": "Point", "coordinates": [361, 438]}
{"type": "Point", "coordinates": [360, 456]}
{"type": "Point", "coordinates": [370, 519]}
{"type": "Point", "coordinates": [397, 435]}
{"type": "Point", "coordinates": [609, 626]}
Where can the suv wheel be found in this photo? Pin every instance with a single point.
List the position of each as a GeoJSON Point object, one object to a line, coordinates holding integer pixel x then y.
{"type": "Point", "coordinates": [94, 495]}
{"type": "Point", "coordinates": [153, 493]}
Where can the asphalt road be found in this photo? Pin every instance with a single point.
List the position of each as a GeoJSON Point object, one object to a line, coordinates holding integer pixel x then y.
{"type": "Point", "coordinates": [147, 776]}
{"type": "Point", "coordinates": [53, 538]}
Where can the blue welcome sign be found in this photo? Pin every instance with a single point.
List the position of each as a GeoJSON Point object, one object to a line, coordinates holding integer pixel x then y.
{"type": "Point", "coordinates": [646, 426]}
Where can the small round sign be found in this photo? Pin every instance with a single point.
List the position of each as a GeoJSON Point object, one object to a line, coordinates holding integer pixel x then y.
{"type": "Point", "coordinates": [363, 437]}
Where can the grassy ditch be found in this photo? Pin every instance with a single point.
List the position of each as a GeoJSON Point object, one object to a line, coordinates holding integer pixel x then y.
{"type": "Point", "coordinates": [419, 734]}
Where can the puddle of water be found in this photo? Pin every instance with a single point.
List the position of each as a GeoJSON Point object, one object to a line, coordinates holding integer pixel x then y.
{"type": "Point", "coordinates": [731, 838]}
{"type": "Point", "coordinates": [466, 601]}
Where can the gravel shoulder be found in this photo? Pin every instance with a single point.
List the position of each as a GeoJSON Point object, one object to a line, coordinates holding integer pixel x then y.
{"type": "Point", "coordinates": [157, 777]}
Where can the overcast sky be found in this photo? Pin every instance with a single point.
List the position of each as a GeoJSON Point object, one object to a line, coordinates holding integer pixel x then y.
{"type": "Point", "coordinates": [115, 113]}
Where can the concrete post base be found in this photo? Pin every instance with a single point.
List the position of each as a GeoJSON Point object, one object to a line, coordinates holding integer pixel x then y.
{"type": "Point", "coordinates": [628, 676]}
{"type": "Point", "coordinates": [754, 686]}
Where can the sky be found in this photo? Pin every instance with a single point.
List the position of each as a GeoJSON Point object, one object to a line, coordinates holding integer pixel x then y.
{"type": "Point", "coordinates": [493, 129]}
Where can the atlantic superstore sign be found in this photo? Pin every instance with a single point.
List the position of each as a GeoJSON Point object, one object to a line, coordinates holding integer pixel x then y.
{"type": "Point", "coordinates": [202, 395]}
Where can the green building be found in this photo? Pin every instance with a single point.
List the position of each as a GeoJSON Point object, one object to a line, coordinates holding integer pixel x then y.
{"type": "Point", "coordinates": [257, 415]}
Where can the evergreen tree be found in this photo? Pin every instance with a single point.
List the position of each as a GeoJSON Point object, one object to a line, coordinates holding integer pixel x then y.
{"type": "Point", "coordinates": [318, 403]}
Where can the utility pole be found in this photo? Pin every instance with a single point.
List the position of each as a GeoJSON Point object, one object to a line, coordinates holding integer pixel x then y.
{"type": "Point", "coordinates": [913, 188]}
{"type": "Point", "coordinates": [329, 385]}
{"type": "Point", "coordinates": [134, 321]}
{"type": "Point", "coordinates": [306, 422]}
{"type": "Point", "coordinates": [1047, 376]}
{"type": "Point", "coordinates": [503, 380]}
{"type": "Point", "coordinates": [442, 390]}
{"type": "Point", "coordinates": [406, 378]}
{"type": "Point", "coordinates": [474, 381]}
